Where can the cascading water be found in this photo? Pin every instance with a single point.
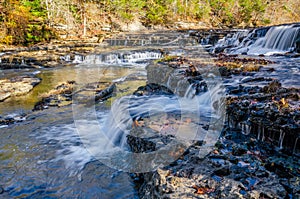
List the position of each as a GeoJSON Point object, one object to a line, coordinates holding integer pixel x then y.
{"type": "Point", "coordinates": [128, 109]}
{"type": "Point", "coordinates": [267, 41]}
{"type": "Point", "coordinates": [279, 39]}
{"type": "Point", "coordinates": [123, 58]}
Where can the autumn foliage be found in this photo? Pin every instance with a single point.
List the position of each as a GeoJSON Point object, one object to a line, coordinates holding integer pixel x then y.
{"type": "Point", "coordinates": [26, 22]}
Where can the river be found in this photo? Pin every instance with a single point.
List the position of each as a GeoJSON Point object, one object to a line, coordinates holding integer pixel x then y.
{"type": "Point", "coordinates": [45, 156]}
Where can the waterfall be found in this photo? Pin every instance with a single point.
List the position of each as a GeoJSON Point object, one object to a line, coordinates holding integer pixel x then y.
{"type": "Point", "coordinates": [279, 39]}
{"type": "Point", "coordinates": [267, 41]}
{"type": "Point", "coordinates": [295, 145]}
{"type": "Point", "coordinates": [232, 40]}
{"type": "Point", "coordinates": [281, 138]}
{"type": "Point", "coordinates": [120, 58]}
{"type": "Point", "coordinates": [246, 128]}
{"type": "Point", "coordinates": [123, 58]}
{"type": "Point", "coordinates": [190, 92]}
{"type": "Point", "coordinates": [129, 108]}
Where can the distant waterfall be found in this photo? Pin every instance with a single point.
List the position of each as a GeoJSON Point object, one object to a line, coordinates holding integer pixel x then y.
{"type": "Point", "coordinates": [267, 41]}
{"type": "Point", "coordinates": [123, 57]}
{"type": "Point", "coordinates": [120, 58]}
{"type": "Point", "coordinates": [279, 39]}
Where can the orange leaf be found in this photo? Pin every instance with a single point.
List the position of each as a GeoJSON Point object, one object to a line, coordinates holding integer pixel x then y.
{"type": "Point", "coordinates": [202, 190]}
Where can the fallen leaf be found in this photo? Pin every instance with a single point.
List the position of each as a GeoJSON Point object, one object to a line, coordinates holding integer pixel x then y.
{"type": "Point", "coordinates": [202, 190]}
{"type": "Point", "coordinates": [215, 152]}
{"type": "Point", "coordinates": [188, 120]}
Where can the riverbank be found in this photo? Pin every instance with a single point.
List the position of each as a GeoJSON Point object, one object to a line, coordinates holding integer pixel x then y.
{"type": "Point", "coordinates": [257, 155]}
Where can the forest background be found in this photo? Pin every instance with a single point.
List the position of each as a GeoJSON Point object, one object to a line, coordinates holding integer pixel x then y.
{"type": "Point", "coordinates": [27, 22]}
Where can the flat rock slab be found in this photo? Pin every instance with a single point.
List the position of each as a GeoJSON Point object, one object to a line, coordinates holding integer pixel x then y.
{"type": "Point", "coordinates": [17, 86]}
{"type": "Point", "coordinates": [4, 96]}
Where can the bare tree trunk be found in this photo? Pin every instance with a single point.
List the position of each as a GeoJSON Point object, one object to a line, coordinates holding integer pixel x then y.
{"type": "Point", "coordinates": [84, 24]}
{"type": "Point", "coordinates": [84, 18]}
{"type": "Point", "coordinates": [48, 12]}
{"type": "Point", "coordinates": [186, 7]}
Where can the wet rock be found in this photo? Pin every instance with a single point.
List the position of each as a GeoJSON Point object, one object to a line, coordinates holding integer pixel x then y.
{"type": "Point", "coordinates": [105, 93]}
{"type": "Point", "coordinates": [177, 79]}
{"type": "Point", "coordinates": [224, 71]}
{"type": "Point", "coordinates": [172, 61]}
{"type": "Point", "coordinates": [4, 96]}
{"type": "Point", "coordinates": [252, 79]}
{"type": "Point", "coordinates": [140, 145]}
{"type": "Point", "coordinates": [60, 96]}
{"type": "Point", "coordinates": [259, 120]}
{"type": "Point", "coordinates": [236, 59]}
{"type": "Point", "coordinates": [50, 55]}
{"type": "Point", "coordinates": [203, 179]}
{"type": "Point", "coordinates": [272, 87]}
{"type": "Point", "coordinates": [192, 71]}
{"type": "Point", "coordinates": [279, 169]}
{"type": "Point", "coordinates": [222, 172]}
{"type": "Point", "coordinates": [17, 86]}
{"type": "Point", "coordinates": [160, 74]}
{"type": "Point", "coordinates": [12, 119]}
{"type": "Point", "coordinates": [153, 89]}
{"type": "Point", "coordinates": [6, 121]}
{"type": "Point", "coordinates": [239, 151]}
{"type": "Point", "coordinates": [272, 118]}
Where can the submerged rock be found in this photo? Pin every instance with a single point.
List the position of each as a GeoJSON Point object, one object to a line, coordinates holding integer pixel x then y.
{"type": "Point", "coordinates": [62, 95]}
{"type": "Point", "coordinates": [153, 89]}
{"type": "Point", "coordinates": [17, 86]}
{"type": "Point", "coordinates": [12, 119]}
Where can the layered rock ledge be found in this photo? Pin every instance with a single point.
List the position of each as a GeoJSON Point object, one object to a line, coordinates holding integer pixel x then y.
{"type": "Point", "coordinates": [257, 155]}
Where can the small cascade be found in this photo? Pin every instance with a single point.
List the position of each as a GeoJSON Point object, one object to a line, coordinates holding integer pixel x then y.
{"type": "Point", "coordinates": [232, 39]}
{"type": "Point", "coordinates": [66, 58]}
{"type": "Point", "coordinates": [118, 122]}
{"type": "Point", "coordinates": [267, 41]}
{"type": "Point", "coordinates": [195, 89]}
{"type": "Point", "coordinates": [295, 145]}
{"type": "Point", "coordinates": [278, 39]}
{"type": "Point", "coordinates": [263, 134]}
{"type": "Point", "coordinates": [78, 59]}
{"type": "Point", "coordinates": [246, 128]}
{"type": "Point", "coordinates": [182, 87]}
{"type": "Point", "coordinates": [122, 58]}
{"type": "Point", "coordinates": [190, 92]}
{"type": "Point", "coordinates": [128, 109]}
{"type": "Point", "coordinates": [259, 132]}
{"type": "Point", "coordinates": [23, 62]}
{"type": "Point", "coordinates": [149, 39]}
{"type": "Point", "coordinates": [281, 138]}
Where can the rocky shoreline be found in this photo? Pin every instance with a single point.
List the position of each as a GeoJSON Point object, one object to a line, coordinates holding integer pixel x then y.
{"type": "Point", "coordinates": [44, 56]}
{"type": "Point", "coordinates": [257, 155]}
